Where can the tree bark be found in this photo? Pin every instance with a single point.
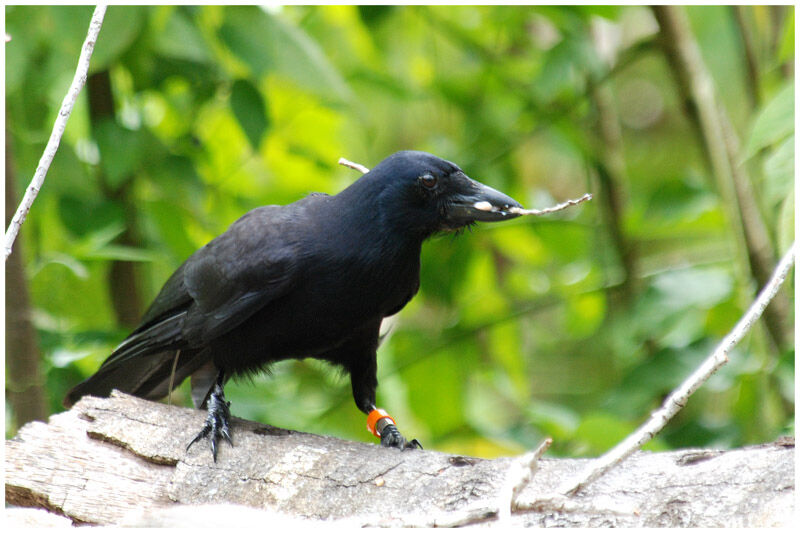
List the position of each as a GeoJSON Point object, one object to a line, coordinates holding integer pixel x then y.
{"type": "Point", "coordinates": [123, 460]}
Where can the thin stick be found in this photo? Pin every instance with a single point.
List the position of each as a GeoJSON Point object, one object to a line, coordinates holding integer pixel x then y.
{"type": "Point", "coordinates": [350, 164]}
{"type": "Point", "coordinates": [548, 210]}
{"type": "Point", "coordinates": [519, 476]}
{"type": "Point", "coordinates": [60, 124]}
{"type": "Point", "coordinates": [678, 398]}
{"type": "Point", "coordinates": [172, 376]}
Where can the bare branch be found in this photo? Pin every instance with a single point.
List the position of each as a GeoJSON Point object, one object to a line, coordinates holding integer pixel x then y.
{"type": "Point", "coordinates": [350, 164]}
{"type": "Point", "coordinates": [678, 398]}
{"type": "Point", "coordinates": [58, 129]}
{"type": "Point", "coordinates": [519, 476]}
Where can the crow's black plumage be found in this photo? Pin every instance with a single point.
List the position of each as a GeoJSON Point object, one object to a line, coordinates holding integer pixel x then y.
{"type": "Point", "coordinates": [309, 279]}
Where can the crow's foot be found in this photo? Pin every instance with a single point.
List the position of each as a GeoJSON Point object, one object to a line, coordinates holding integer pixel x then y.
{"type": "Point", "coordinates": [391, 438]}
{"type": "Point", "coordinates": [217, 421]}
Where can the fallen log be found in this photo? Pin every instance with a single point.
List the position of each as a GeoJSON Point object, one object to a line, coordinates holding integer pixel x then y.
{"type": "Point", "coordinates": [123, 461]}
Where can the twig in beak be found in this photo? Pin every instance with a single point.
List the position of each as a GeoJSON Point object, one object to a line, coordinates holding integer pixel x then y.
{"type": "Point", "coordinates": [350, 164]}
{"type": "Point", "coordinates": [486, 206]}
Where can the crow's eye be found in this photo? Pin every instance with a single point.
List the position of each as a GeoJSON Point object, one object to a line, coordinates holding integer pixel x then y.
{"type": "Point", "coordinates": [428, 181]}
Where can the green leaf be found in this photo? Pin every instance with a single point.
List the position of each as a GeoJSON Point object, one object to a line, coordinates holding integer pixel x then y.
{"type": "Point", "coordinates": [779, 172]}
{"type": "Point", "coordinates": [73, 178]}
{"type": "Point", "coordinates": [250, 110]}
{"type": "Point", "coordinates": [773, 123]}
{"type": "Point", "coordinates": [436, 384]}
{"type": "Point", "coordinates": [585, 315]}
{"type": "Point", "coordinates": [99, 245]}
{"type": "Point", "coordinates": [601, 431]}
{"type": "Point", "coordinates": [171, 225]}
{"type": "Point", "coordinates": [18, 54]}
{"type": "Point", "coordinates": [118, 252]}
{"type": "Point", "coordinates": [607, 12]}
{"type": "Point", "coordinates": [241, 34]}
{"type": "Point", "coordinates": [121, 26]}
{"type": "Point", "coordinates": [266, 43]}
{"type": "Point", "coordinates": [101, 237]}
{"type": "Point", "coordinates": [786, 223]}
{"type": "Point", "coordinates": [487, 409]}
{"type": "Point", "coordinates": [121, 151]}
{"type": "Point", "coordinates": [181, 39]}
{"type": "Point", "coordinates": [558, 74]}
{"type": "Point", "coordinates": [693, 287]}
{"type": "Point", "coordinates": [557, 420]}
{"type": "Point", "coordinates": [683, 328]}
{"type": "Point", "coordinates": [786, 50]}
{"type": "Point", "coordinates": [81, 216]}
{"type": "Point", "coordinates": [57, 258]}
{"type": "Point", "coordinates": [678, 199]}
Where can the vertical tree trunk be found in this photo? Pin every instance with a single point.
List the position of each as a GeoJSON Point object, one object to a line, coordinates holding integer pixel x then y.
{"type": "Point", "coordinates": [756, 254]}
{"type": "Point", "coordinates": [610, 167]}
{"type": "Point", "coordinates": [24, 380]}
{"type": "Point", "coordinates": [123, 282]}
{"type": "Point", "coordinates": [750, 55]}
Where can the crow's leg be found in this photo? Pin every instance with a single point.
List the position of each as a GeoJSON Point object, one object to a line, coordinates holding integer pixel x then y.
{"type": "Point", "coordinates": [364, 381]}
{"type": "Point", "coordinates": [383, 426]}
{"type": "Point", "coordinates": [219, 412]}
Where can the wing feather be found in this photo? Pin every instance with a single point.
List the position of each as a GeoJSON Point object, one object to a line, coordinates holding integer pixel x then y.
{"type": "Point", "coordinates": [211, 293]}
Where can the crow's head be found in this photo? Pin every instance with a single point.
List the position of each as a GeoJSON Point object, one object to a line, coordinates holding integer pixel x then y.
{"type": "Point", "coordinates": [431, 194]}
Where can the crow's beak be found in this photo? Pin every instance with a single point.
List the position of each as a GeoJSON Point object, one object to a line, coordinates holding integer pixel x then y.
{"type": "Point", "coordinates": [474, 201]}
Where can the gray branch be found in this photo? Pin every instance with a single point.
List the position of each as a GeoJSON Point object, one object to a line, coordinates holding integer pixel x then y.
{"type": "Point", "coordinates": [123, 460]}
{"type": "Point", "coordinates": [680, 396]}
{"type": "Point", "coordinates": [78, 81]}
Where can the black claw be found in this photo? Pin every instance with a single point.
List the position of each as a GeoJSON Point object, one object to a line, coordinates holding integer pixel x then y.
{"type": "Point", "coordinates": [392, 438]}
{"type": "Point", "coordinates": [217, 424]}
{"type": "Point", "coordinates": [227, 436]}
{"type": "Point", "coordinates": [203, 434]}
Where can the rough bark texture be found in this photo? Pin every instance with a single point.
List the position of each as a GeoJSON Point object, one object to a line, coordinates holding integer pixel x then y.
{"type": "Point", "coordinates": [123, 460]}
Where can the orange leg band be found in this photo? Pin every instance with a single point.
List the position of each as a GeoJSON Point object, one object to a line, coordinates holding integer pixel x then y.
{"type": "Point", "coordinates": [374, 417]}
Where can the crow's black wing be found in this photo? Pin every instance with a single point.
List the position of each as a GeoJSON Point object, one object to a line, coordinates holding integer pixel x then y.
{"type": "Point", "coordinates": [235, 275]}
{"type": "Point", "coordinates": [215, 290]}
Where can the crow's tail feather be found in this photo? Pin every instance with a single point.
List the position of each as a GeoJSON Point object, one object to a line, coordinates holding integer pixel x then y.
{"type": "Point", "coordinates": [143, 363]}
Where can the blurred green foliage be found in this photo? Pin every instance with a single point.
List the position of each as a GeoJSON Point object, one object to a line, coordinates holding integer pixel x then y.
{"type": "Point", "coordinates": [522, 329]}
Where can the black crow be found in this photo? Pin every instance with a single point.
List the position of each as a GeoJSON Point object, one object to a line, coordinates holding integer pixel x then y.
{"type": "Point", "coordinates": [310, 279]}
